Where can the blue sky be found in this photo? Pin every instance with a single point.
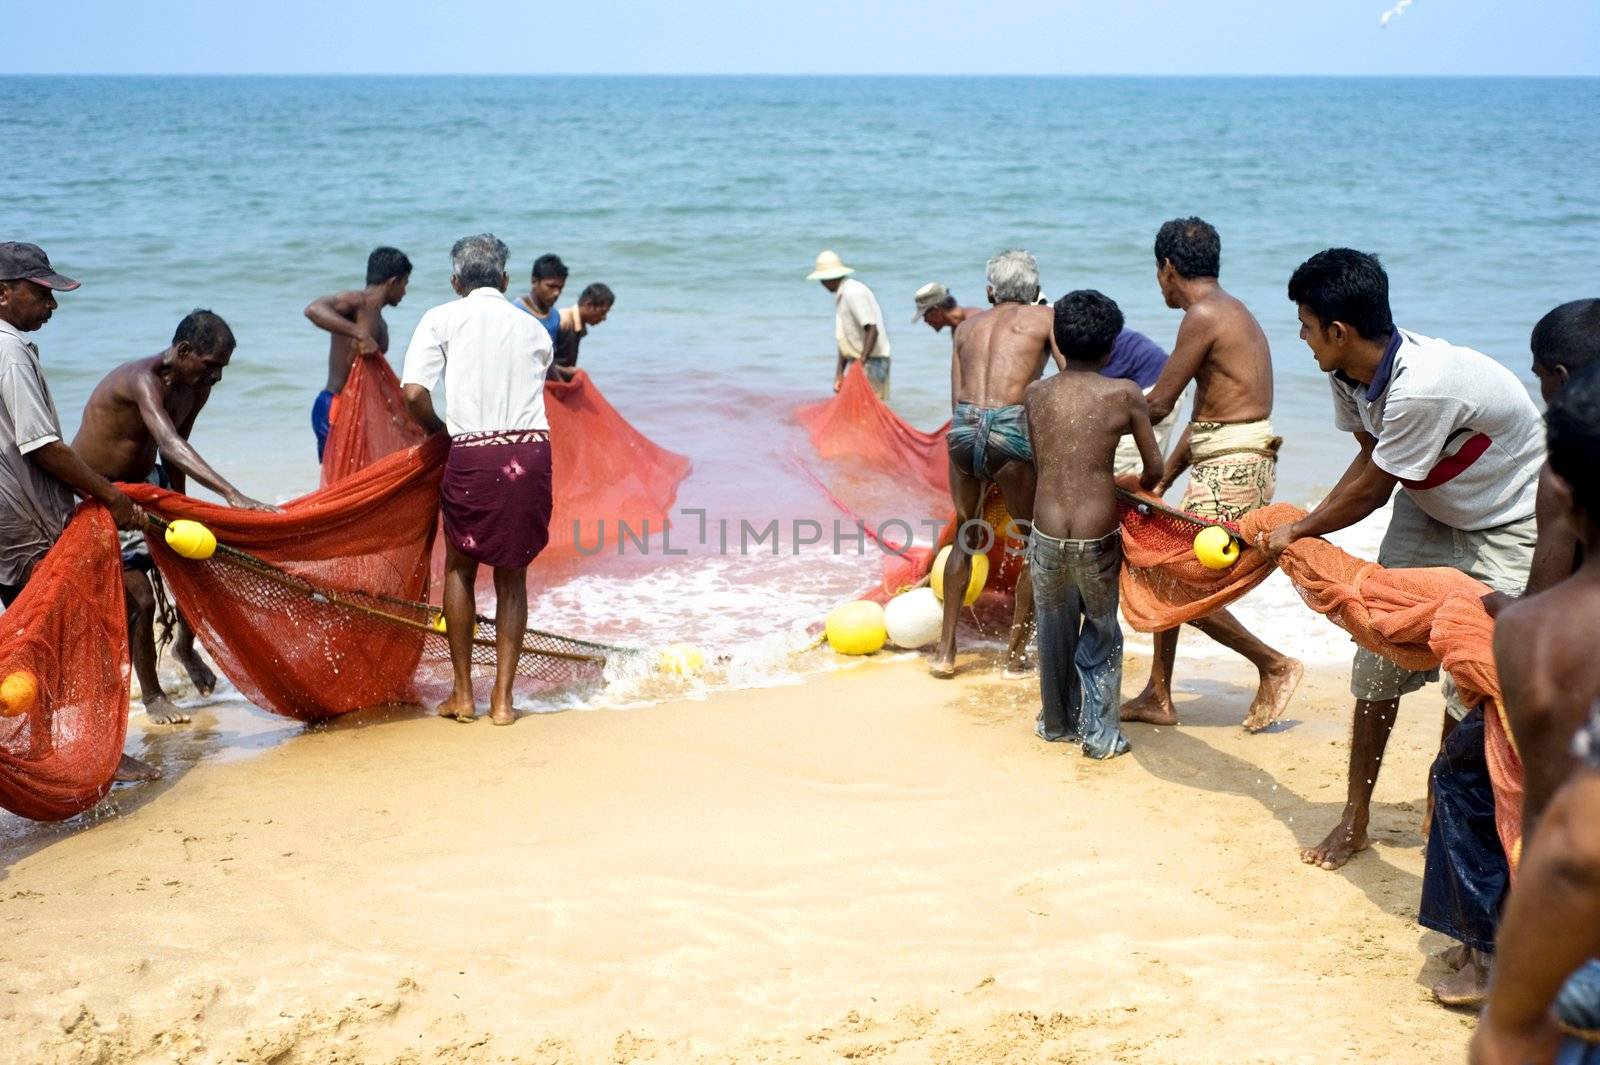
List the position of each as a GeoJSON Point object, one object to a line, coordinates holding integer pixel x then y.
{"type": "Point", "coordinates": [821, 36]}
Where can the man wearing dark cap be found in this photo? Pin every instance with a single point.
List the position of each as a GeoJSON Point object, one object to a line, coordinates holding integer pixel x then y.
{"type": "Point", "coordinates": [39, 474]}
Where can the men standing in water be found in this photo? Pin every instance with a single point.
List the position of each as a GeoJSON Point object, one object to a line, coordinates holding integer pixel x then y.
{"type": "Point", "coordinates": [938, 308]}
{"type": "Point", "coordinates": [39, 474]}
{"type": "Point", "coordinates": [1458, 433]}
{"type": "Point", "coordinates": [997, 355]}
{"type": "Point", "coordinates": [1228, 447]}
{"type": "Point", "coordinates": [355, 321]}
{"type": "Point", "coordinates": [495, 496]}
{"type": "Point", "coordinates": [593, 305]}
{"type": "Point", "coordinates": [1075, 420]}
{"type": "Point", "coordinates": [857, 324]}
{"type": "Point", "coordinates": [140, 412]}
{"type": "Point", "coordinates": [549, 279]}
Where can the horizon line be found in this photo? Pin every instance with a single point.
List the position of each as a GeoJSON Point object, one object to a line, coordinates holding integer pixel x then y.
{"type": "Point", "coordinates": [1544, 76]}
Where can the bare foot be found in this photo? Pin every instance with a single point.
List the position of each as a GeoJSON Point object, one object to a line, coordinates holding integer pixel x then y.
{"type": "Point", "coordinates": [205, 681]}
{"type": "Point", "coordinates": [502, 713]}
{"type": "Point", "coordinates": [163, 711]}
{"type": "Point", "coordinates": [1019, 664]}
{"type": "Point", "coordinates": [943, 668]}
{"type": "Point", "coordinates": [1456, 956]}
{"type": "Point", "coordinates": [1468, 986]}
{"type": "Point", "coordinates": [133, 771]}
{"type": "Point", "coordinates": [1343, 843]}
{"type": "Point", "coordinates": [458, 709]}
{"type": "Point", "coordinates": [1150, 710]}
{"type": "Point", "coordinates": [1272, 698]}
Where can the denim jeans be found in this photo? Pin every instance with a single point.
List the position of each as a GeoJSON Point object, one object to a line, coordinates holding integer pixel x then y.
{"type": "Point", "coordinates": [1080, 640]}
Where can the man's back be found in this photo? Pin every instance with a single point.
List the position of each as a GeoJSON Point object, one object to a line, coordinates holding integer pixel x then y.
{"type": "Point", "coordinates": [1233, 382]}
{"type": "Point", "coordinates": [999, 352]}
{"type": "Point", "coordinates": [1075, 420]}
{"type": "Point", "coordinates": [493, 358]}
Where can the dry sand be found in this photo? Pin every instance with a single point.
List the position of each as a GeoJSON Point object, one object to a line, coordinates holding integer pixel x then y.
{"type": "Point", "coordinates": [871, 867]}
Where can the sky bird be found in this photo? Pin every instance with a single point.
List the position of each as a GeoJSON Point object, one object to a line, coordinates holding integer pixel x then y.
{"type": "Point", "coordinates": [1397, 9]}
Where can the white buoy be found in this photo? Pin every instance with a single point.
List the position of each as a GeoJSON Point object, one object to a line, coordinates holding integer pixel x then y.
{"type": "Point", "coordinates": [914, 618]}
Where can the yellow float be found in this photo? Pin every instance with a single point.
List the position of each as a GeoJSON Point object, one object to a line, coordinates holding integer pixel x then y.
{"type": "Point", "coordinates": [684, 659]}
{"type": "Point", "coordinates": [19, 693]}
{"type": "Point", "coordinates": [856, 628]}
{"type": "Point", "coordinates": [191, 539]}
{"type": "Point", "coordinates": [975, 583]}
{"type": "Point", "coordinates": [1216, 548]}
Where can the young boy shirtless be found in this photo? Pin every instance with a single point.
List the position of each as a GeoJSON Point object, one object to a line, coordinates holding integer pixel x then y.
{"type": "Point", "coordinates": [1075, 550]}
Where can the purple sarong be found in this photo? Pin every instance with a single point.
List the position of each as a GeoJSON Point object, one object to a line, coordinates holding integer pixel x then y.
{"type": "Point", "coordinates": [495, 496]}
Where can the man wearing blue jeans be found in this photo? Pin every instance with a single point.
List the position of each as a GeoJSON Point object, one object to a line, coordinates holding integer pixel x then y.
{"type": "Point", "coordinates": [1075, 419]}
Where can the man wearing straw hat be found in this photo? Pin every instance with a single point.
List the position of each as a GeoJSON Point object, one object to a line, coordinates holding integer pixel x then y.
{"type": "Point", "coordinates": [857, 323]}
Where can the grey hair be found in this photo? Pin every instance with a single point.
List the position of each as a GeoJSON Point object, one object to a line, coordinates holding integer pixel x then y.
{"type": "Point", "coordinates": [1014, 276]}
{"type": "Point", "coordinates": [479, 261]}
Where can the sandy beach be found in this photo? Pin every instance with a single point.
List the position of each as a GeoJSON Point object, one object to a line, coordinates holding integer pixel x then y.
{"type": "Point", "coordinates": [870, 866]}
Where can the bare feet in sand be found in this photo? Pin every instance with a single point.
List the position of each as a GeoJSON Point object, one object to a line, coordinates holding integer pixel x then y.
{"type": "Point", "coordinates": [1150, 709]}
{"type": "Point", "coordinates": [1278, 686]}
{"type": "Point", "coordinates": [163, 711]}
{"type": "Point", "coordinates": [457, 709]}
{"type": "Point", "coordinates": [1468, 986]}
{"type": "Point", "coordinates": [133, 771]}
{"type": "Point", "coordinates": [501, 713]}
{"type": "Point", "coordinates": [943, 668]}
{"type": "Point", "coordinates": [1344, 842]}
{"type": "Point", "coordinates": [200, 675]}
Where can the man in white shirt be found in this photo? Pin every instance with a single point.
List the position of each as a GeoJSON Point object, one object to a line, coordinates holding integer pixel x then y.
{"type": "Point", "coordinates": [495, 495]}
{"type": "Point", "coordinates": [857, 324]}
{"type": "Point", "coordinates": [1461, 437]}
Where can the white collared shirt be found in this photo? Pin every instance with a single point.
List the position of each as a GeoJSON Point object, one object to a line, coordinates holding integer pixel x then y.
{"type": "Point", "coordinates": [493, 358]}
{"type": "Point", "coordinates": [34, 506]}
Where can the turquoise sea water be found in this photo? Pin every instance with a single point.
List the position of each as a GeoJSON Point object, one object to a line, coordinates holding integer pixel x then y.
{"type": "Point", "coordinates": [702, 202]}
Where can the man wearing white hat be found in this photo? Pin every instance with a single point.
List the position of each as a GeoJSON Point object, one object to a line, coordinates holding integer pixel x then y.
{"type": "Point", "coordinates": [857, 324]}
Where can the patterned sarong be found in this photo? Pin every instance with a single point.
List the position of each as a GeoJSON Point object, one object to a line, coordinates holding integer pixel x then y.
{"type": "Point", "coordinates": [983, 439]}
{"type": "Point", "coordinates": [1234, 468]}
{"type": "Point", "coordinates": [495, 496]}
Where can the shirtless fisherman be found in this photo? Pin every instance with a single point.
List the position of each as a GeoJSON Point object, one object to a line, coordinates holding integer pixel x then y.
{"type": "Point", "coordinates": [1077, 419]}
{"type": "Point", "coordinates": [355, 320]}
{"type": "Point", "coordinates": [145, 410]}
{"type": "Point", "coordinates": [938, 309]}
{"type": "Point", "coordinates": [997, 355]}
{"type": "Point", "coordinates": [1229, 443]}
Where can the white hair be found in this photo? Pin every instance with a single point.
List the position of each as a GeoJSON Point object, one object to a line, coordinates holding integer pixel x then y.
{"type": "Point", "coordinates": [479, 261]}
{"type": "Point", "coordinates": [1014, 277]}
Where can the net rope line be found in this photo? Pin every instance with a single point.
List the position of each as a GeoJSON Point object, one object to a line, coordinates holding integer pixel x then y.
{"type": "Point", "coordinates": [535, 642]}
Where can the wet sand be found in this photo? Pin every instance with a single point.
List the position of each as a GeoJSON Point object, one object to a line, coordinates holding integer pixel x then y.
{"type": "Point", "coordinates": [872, 866]}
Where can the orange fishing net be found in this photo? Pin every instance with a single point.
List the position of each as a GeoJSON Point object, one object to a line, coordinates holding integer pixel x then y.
{"type": "Point", "coordinates": [604, 469]}
{"type": "Point", "coordinates": [854, 423]}
{"type": "Point", "coordinates": [67, 632]}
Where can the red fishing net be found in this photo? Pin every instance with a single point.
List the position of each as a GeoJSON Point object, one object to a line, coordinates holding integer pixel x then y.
{"type": "Point", "coordinates": [855, 424]}
{"type": "Point", "coordinates": [65, 638]}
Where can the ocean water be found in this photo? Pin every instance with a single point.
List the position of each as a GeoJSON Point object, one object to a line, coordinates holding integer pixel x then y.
{"type": "Point", "coordinates": [702, 202]}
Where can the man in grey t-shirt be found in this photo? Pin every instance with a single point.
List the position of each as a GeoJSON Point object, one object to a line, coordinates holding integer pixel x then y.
{"type": "Point", "coordinates": [1461, 437]}
{"type": "Point", "coordinates": [39, 474]}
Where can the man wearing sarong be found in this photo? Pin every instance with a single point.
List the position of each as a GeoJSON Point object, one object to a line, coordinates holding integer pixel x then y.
{"type": "Point", "coordinates": [136, 427]}
{"type": "Point", "coordinates": [39, 473]}
{"type": "Point", "coordinates": [495, 496]}
{"type": "Point", "coordinates": [357, 329]}
{"type": "Point", "coordinates": [1229, 448]}
{"type": "Point", "coordinates": [858, 328]}
{"type": "Point", "coordinates": [995, 356]}
{"type": "Point", "coordinates": [1466, 872]}
{"type": "Point", "coordinates": [1457, 432]}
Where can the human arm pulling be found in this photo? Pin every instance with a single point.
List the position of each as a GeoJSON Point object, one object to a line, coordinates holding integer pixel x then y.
{"type": "Point", "coordinates": [338, 315]}
{"type": "Point", "coordinates": [1177, 461]}
{"type": "Point", "coordinates": [869, 339]}
{"type": "Point", "coordinates": [1363, 490]}
{"type": "Point", "coordinates": [180, 454]}
{"type": "Point", "coordinates": [1551, 927]}
{"type": "Point", "coordinates": [1189, 350]}
{"type": "Point", "coordinates": [1145, 437]}
{"type": "Point", "coordinates": [62, 463]}
{"type": "Point", "coordinates": [419, 401]}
